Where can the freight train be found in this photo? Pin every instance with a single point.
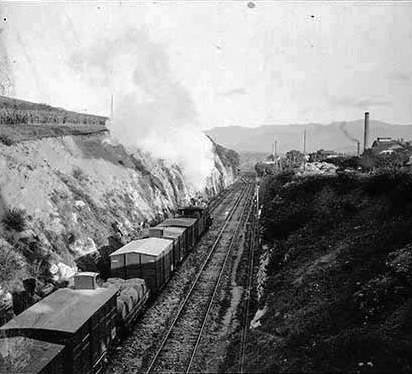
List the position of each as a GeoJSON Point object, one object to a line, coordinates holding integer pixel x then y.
{"type": "Point", "coordinates": [73, 329]}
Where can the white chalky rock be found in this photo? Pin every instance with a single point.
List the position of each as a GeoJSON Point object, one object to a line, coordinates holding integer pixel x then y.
{"type": "Point", "coordinates": [53, 269]}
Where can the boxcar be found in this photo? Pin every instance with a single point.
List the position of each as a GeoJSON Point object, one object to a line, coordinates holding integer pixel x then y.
{"type": "Point", "coordinates": [21, 355]}
{"type": "Point", "coordinates": [201, 214]}
{"type": "Point", "coordinates": [177, 234]}
{"type": "Point", "coordinates": [149, 259]}
{"type": "Point", "coordinates": [84, 321]}
{"type": "Point", "coordinates": [190, 233]}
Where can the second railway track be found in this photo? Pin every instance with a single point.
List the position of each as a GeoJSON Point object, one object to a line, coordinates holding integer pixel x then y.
{"type": "Point", "coordinates": [177, 349]}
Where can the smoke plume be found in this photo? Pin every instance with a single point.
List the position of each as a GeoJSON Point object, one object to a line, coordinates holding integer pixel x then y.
{"type": "Point", "coordinates": [347, 134]}
{"type": "Point", "coordinates": [151, 110]}
{"type": "Point", "coordinates": [66, 64]}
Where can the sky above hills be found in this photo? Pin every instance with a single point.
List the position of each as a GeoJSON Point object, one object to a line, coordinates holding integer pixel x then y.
{"type": "Point", "coordinates": [225, 63]}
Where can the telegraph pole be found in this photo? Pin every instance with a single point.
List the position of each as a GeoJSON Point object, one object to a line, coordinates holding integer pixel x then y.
{"type": "Point", "coordinates": [304, 149]}
{"type": "Point", "coordinates": [111, 108]}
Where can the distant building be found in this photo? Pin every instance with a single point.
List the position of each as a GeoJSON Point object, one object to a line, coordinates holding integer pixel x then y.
{"type": "Point", "coordinates": [387, 145]}
{"type": "Point", "coordinates": [322, 155]}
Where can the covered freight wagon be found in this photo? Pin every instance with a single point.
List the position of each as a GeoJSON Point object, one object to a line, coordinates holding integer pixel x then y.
{"type": "Point", "coordinates": [189, 224]}
{"type": "Point", "coordinates": [201, 214]}
{"type": "Point", "coordinates": [177, 234]}
{"type": "Point", "coordinates": [21, 355]}
{"type": "Point", "coordinates": [83, 320]}
{"type": "Point", "coordinates": [149, 259]}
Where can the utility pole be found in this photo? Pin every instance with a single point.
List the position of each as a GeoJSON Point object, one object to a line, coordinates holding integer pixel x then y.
{"type": "Point", "coordinates": [304, 149]}
{"type": "Point", "coordinates": [111, 108]}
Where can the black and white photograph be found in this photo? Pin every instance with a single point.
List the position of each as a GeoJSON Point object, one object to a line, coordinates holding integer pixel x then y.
{"type": "Point", "coordinates": [204, 186]}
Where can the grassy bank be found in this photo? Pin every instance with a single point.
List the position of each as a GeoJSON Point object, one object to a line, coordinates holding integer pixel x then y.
{"type": "Point", "coordinates": [338, 292]}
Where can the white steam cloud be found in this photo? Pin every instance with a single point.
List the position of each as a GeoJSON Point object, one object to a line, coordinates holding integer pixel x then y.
{"type": "Point", "coordinates": [69, 65]}
{"type": "Point", "coordinates": [152, 111]}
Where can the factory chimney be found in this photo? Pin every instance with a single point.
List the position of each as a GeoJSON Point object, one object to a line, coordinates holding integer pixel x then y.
{"type": "Point", "coordinates": [357, 148]}
{"type": "Point", "coordinates": [304, 141]}
{"type": "Point", "coordinates": [366, 132]}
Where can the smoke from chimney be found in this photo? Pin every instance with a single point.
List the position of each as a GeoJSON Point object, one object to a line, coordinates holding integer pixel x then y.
{"type": "Point", "coordinates": [350, 137]}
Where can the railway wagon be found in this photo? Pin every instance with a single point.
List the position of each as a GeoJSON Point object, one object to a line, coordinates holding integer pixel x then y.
{"type": "Point", "coordinates": [83, 320]}
{"type": "Point", "coordinates": [190, 237]}
{"type": "Point", "coordinates": [173, 233]}
{"type": "Point", "coordinates": [21, 355]}
{"type": "Point", "coordinates": [149, 259]}
{"type": "Point", "coordinates": [201, 214]}
{"type": "Point", "coordinates": [133, 295]}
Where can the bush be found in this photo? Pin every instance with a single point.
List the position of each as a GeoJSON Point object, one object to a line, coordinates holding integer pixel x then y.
{"type": "Point", "coordinates": [14, 220]}
{"type": "Point", "coordinates": [6, 140]}
{"type": "Point", "coordinates": [78, 174]}
{"type": "Point", "coordinates": [9, 264]}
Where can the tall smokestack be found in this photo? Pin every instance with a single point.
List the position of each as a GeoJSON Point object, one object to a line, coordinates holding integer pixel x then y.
{"type": "Point", "coordinates": [366, 132]}
{"type": "Point", "coordinates": [304, 141]}
{"type": "Point", "coordinates": [357, 148]}
{"type": "Point", "coordinates": [276, 148]}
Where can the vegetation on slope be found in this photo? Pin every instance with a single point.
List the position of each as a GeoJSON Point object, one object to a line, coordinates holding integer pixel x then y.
{"type": "Point", "coordinates": [338, 287]}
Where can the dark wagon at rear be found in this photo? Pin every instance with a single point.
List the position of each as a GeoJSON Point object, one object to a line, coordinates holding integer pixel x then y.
{"type": "Point", "coordinates": [21, 355]}
{"type": "Point", "coordinates": [83, 320]}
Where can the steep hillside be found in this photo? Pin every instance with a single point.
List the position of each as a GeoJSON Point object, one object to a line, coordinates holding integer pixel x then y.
{"type": "Point", "coordinates": [229, 158]}
{"type": "Point", "coordinates": [335, 136]}
{"type": "Point", "coordinates": [335, 279]}
{"type": "Point", "coordinates": [61, 198]}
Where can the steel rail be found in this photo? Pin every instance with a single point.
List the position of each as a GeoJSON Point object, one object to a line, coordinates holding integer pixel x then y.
{"type": "Point", "coordinates": [217, 284]}
{"type": "Point", "coordinates": [184, 303]}
{"type": "Point", "coordinates": [248, 294]}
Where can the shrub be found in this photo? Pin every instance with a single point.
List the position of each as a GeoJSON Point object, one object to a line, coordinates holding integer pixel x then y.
{"type": "Point", "coordinates": [14, 220]}
{"type": "Point", "coordinates": [6, 140]}
{"type": "Point", "coordinates": [9, 264]}
{"type": "Point", "coordinates": [78, 174]}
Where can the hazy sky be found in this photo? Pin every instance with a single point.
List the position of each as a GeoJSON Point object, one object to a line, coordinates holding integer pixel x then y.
{"type": "Point", "coordinates": [277, 62]}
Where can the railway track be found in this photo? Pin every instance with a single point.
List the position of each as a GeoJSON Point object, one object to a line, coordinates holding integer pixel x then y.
{"type": "Point", "coordinates": [246, 306]}
{"type": "Point", "coordinates": [178, 348]}
{"type": "Point", "coordinates": [216, 202]}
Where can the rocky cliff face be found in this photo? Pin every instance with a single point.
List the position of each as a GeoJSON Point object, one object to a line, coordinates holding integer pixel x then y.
{"type": "Point", "coordinates": [80, 194]}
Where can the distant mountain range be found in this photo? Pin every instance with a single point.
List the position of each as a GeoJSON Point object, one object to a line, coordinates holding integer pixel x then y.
{"type": "Point", "coordinates": [338, 136]}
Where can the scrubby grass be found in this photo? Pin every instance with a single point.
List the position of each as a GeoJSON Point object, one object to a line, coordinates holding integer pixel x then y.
{"type": "Point", "coordinates": [10, 264]}
{"type": "Point", "coordinates": [78, 174]}
{"type": "Point", "coordinates": [6, 140]}
{"type": "Point", "coordinates": [339, 289]}
{"type": "Point", "coordinates": [14, 220]}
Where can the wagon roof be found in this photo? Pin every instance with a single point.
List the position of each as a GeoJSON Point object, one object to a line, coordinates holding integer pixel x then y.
{"type": "Point", "coordinates": [24, 355]}
{"type": "Point", "coordinates": [179, 222]}
{"type": "Point", "coordinates": [176, 230]}
{"type": "Point", "coordinates": [195, 208]}
{"type": "Point", "coordinates": [147, 246]}
{"type": "Point", "coordinates": [64, 310]}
